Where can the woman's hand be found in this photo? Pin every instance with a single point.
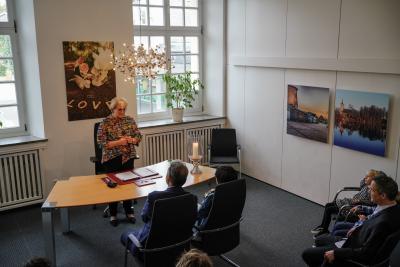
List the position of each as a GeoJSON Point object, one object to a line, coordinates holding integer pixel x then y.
{"type": "Point", "coordinates": [123, 141]}
{"type": "Point", "coordinates": [132, 140]}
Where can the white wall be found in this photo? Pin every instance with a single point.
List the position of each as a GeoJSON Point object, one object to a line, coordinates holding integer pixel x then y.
{"type": "Point", "coordinates": [334, 44]}
{"type": "Point", "coordinates": [29, 66]}
{"type": "Point", "coordinates": [213, 61]}
{"type": "Point", "coordinates": [71, 143]}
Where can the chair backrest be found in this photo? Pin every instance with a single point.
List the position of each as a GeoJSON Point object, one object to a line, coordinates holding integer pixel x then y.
{"type": "Point", "coordinates": [223, 142]}
{"type": "Point", "coordinates": [388, 246]}
{"type": "Point", "coordinates": [226, 210]}
{"type": "Point", "coordinates": [395, 256]}
{"type": "Point", "coordinates": [172, 223]}
{"type": "Point", "coordinates": [99, 168]}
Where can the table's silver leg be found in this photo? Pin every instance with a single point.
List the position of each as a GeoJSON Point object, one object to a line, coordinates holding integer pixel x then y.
{"type": "Point", "coordinates": [65, 220]}
{"type": "Point", "coordinates": [48, 233]}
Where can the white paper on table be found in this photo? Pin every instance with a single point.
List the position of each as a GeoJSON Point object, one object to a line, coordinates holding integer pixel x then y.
{"type": "Point", "coordinates": [144, 172]}
{"type": "Point", "coordinates": [124, 176]}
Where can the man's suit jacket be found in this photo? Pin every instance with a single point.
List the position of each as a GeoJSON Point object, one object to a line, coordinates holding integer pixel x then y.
{"type": "Point", "coordinates": [365, 241]}
{"type": "Point", "coordinates": [147, 211]}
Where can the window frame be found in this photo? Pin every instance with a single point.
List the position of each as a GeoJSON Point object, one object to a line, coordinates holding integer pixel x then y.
{"type": "Point", "coordinates": [177, 31]}
{"type": "Point", "coordinates": [9, 28]}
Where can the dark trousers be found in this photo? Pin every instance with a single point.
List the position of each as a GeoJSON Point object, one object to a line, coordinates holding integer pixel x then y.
{"type": "Point", "coordinates": [115, 165]}
{"type": "Point", "coordinates": [330, 209]}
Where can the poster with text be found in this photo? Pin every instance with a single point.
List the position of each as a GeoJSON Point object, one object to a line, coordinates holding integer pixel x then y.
{"type": "Point", "coordinates": [89, 78]}
{"type": "Point", "coordinates": [308, 112]}
{"type": "Point", "coordinates": [361, 121]}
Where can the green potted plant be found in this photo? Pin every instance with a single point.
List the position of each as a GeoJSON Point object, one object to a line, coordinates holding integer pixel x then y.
{"type": "Point", "coordinates": [180, 92]}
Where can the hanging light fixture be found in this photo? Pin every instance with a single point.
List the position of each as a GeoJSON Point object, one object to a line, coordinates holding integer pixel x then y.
{"type": "Point", "coordinates": [137, 61]}
{"type": "Point", "coordinates": [133, 61]}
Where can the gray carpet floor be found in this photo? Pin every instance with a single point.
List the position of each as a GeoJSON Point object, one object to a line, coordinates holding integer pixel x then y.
{"type": "Point", "coordinates": [274, 232]}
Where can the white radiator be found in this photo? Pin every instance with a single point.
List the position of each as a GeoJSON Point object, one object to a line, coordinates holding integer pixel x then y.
{"type": "Point", "coordinates": [164, 146]}
{"type": "Point", "coordinates": [172, 145]}
{"type": "Point", "coordinates": [20, 178]}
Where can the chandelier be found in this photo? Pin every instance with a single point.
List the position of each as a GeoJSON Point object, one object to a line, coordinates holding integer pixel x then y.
{"type": "Point", "coordinates": [137, 61]}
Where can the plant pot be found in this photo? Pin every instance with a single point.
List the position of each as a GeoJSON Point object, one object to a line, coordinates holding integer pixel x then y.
{"type": "Point", "coordinates": [177, 114]}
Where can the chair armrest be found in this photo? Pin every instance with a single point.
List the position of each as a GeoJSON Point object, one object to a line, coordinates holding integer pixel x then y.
{"type": "Point", "coordinates": [134, 240]}
{"type": "Point", "coordinates": [345, 189]}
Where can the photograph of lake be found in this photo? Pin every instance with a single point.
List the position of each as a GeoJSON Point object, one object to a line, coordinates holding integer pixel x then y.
{"type": "Point", "coordinates": [308, 112]}
{"type": "Point", "coordinates": [361, 121]}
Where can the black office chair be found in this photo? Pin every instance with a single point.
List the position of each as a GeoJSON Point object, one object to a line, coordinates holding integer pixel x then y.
{"type": "Point", "coordinates": [385, 254]}
{"type": "Point", "coordinates": [221, 233]}
{"type": "Point", "coordinates": [344, 213]}
{"type": "Point", "coordinates": [223, 149]}
{"type": "Point", "coordinates": [395, 256]}
{"type": "Point", "coordinates": [170, 232]}
{"type": "Point", "coordinates": [98, 166]}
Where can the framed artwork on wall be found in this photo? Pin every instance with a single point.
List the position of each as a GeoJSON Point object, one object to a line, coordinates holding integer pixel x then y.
{"type": "Point", "coordinates": [361, 121]}
{"type": "Point", "coordinates": [308, 112]}
{"type": "Point", "coordinates": [89, 78]}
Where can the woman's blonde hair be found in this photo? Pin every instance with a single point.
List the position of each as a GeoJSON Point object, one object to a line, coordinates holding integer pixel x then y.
{"type": "Point", "coordinates": [114, 102]}
{"type": "Point", "coordinates": [373, 173]}
{"type": "Point", "coordinates": [194, 258]}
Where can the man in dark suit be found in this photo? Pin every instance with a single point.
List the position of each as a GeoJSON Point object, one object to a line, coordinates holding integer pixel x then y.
{"type": "Point", "coordinates": [175, 178]}
{"type": "Point", "coordinates": [363, 241]}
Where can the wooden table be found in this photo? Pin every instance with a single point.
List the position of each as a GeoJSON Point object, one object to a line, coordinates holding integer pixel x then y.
{"type": "Point", "coordinates": [90, 190]}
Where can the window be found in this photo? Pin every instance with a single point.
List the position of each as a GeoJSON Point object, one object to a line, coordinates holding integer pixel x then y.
{"type": "Point", "coordinates": [11, 119]}
{"type": "Point", "coordinates": [175, 26]}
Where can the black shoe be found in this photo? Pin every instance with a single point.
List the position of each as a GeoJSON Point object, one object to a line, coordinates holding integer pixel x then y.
{"type": "Point", "coordinates": [114, 222]}
{"type": "Point", "coordinates": [323, 232]}
{"type": "Point", "coordinates": [131, 219]}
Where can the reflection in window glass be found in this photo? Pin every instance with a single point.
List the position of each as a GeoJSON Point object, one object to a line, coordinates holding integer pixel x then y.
{"type": "Point", "coordinates": [176, 16]}
{"type": "Point", "coordinates": [8, 95]}
{"type": "Point", "coordinates": [6, 70]}
{"type": "Point", "coordinates": [175, 2]}
{"type": "Point", "coordinates": [5, 46]}
{"type": "Point", "coordinates": [156, 16]}
{"type": "Point", "coordinates": [159, 103]}
{"type": "Point", "coordinates": [177, 63]}
{"type": "Point", "coordinates": [139, 15]}
{"type": "Point", "coordinates": [177, 45]}
{"type": "Point", "coordinates": [143, 104]}
{"type": "Point", "coordinates": [158, 85]}
{"type": "Point", "coordinates": [191, 17]}
{"type": "Point", "coordinates": [9, 117]}
{"type": "Point", "coordinates": [191, 3]}
{"type": "Point", "coordinates": [142, 86]}
{"type": "Point", "coordinates": [3, 11]}
{"type": "Point", "coordinates": [192, 45]}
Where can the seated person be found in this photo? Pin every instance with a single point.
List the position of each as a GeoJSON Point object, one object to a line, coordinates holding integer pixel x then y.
{"type": "Point", "coordinates": [175, 178]}
{"type": "Point", "coordinates": [223, 174]}
{"type": "Point", "coordinates": [333, 207]}
{"type": "Point", "coordinates": [194, 258]}
{"type": "Point", "coordinates": [363, 241]}
{"type": "Point", "coordinates": [363, 213]}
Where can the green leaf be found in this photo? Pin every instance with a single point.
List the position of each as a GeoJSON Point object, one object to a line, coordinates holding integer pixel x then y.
{"type": "Point", "coordinates": [180, 90]}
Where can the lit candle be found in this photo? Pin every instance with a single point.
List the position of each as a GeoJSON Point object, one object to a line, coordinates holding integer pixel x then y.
{"type": "Point", "coordinates": [195, 150]}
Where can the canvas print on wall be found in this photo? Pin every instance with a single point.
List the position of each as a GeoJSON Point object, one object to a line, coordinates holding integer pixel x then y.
{"type": "Point", "coordinates": [308, 112]}
{"type": "Point", "coordinates": [90, 79]}
{"type": "Point", "coordinates": [361, 121]}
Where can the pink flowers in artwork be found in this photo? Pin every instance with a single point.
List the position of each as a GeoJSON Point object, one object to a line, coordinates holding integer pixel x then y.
{"type": "Point", "coordinates": [92, 70]}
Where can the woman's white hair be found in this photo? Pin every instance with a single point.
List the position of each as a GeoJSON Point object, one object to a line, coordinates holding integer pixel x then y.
{"type": "Point", "coordinates": [114, 102]}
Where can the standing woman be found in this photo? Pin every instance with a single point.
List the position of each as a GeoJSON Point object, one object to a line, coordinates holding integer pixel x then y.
{"type": "Point", "coordinates": [117, 136]}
